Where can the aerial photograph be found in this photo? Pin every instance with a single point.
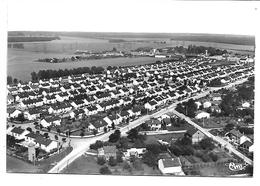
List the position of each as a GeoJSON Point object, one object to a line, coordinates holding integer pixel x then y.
{"type": "Point", "coordinates": [148, 96]}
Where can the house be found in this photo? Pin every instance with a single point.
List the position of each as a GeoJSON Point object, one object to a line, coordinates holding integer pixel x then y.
{"type": "Point", "coordinates": [195, 135]}
{"type": "Point", "coordinates": [45, 144]}
{"type": "Point", "coordinates": [136, 152]}
{"type": "Point", "coordinates": [150, 105]}
{"type": "Point", "coordinates": [136, 111]}
{"type": "Point", "coordinates": [10, 99]}
{"type": "Point", "coordinates": [154, 124]}
{"type": "Point", "coordinates": [246, 146]}
{"type": "Point", "coordinates": [107, 152]}
{"type": "Point", "coordinates": [170, 166]}
{"type": "Point", "coordinates": [46, 122]}
{"type": "Point", "coordinates": [77, 113]}
{"type": "Point", "coordinates": [13, 112]}
{"type": "Point", "coordinates": [246, 105]}
{"type": "Point", "coordinates": [207, 104]}
{"type": "Point", "coordinates": [32, 114]}
{"type": "Point", "coordinates": [216, 97]}
{"type": "Point", "coordinates": [19, 133]}
{"type": "Point", "coordinates": [215, 108]}
{"type": "Point", "coordinates": [235, 136]}
{"type": "Point", "coordinates": [98, 125]}
{"type": "Point", "coordinates": [202, 114]}
{"type": "Point", "coordinates": [91, 110]}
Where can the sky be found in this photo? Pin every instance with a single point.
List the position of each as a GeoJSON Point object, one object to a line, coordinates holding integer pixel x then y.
{"type": "Point", "coordinates": [132, 16]}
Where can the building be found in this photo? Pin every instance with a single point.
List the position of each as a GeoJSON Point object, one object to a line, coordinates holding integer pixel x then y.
{"type": "Point", "coordinates": [195, 135]}
{"type": "Point", "coordinates": [107, 152]}
{"type": "Point", "coordinates": [202, 114]}
{"type": "Point", "coordinates": [170, 166]}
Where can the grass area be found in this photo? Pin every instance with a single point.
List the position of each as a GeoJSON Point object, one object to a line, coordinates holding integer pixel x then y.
{"type": "Point", "coordinates": [88, 165]}
{"type": "Point", "coordinates": [47, 164]}
{"type": "Point", "coordinates": [218, 122]}
{"type": "Point", "coordinates": [165, 137]}
{"type": "Point", "coordinates": [18, 166]}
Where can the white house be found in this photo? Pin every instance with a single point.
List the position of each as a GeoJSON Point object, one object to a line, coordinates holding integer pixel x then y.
{"type": "Point", "coordinates": [170, 166]}
{"type": "Point", "coordinates": [202, 114]}
{"type": "Point", "coordinates": [136, 152]}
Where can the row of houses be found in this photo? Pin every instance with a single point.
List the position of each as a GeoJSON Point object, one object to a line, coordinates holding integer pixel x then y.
{"type": "Point", "coordinates": [26, 137]}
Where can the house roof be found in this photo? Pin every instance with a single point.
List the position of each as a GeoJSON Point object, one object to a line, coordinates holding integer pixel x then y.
{"type": "Point", "coordinates": [109, 149]}
{"type": "Point", "coordinates": [171, 162]}
{"type": "Point", "coordinates": [99, 123]}
{"type": "Point", "coordinates": [17, 130]}
{"type": "Point", "coordinates": [247, 143]}
{"type": "Point", "coordinates": [236, 133]}
{"type": "Point", "coordinates": [43, 141]}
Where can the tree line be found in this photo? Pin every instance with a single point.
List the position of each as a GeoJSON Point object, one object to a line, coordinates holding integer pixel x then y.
{"type": "Point", "coordinates": [193, 49]}
{"type": "Point", "coordinates": [47, 74]}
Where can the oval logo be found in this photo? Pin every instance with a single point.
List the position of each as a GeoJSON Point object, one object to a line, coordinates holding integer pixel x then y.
{"type": "Point", "coordinates": [237, 166]}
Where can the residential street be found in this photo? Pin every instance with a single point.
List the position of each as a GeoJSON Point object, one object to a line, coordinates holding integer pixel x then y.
{"type": "Point", "coordinates": [80, 146]}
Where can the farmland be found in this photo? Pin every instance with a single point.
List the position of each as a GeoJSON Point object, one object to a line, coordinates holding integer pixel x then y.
{"type": "Point", "coordinates": [21, 60]}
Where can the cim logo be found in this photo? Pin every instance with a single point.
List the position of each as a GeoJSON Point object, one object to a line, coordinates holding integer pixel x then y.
{"type": "Point", "coordinates": [237, 166]}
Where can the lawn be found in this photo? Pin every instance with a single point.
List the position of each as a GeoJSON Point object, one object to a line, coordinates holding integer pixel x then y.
{"type": "Point", "coordinates": [18, 166]}
{"type": "Point", "coordinates": [48, 163]}
{"type": "Point", "coordinates": [88, 165]}
{"type": "Point", "coordinates": [165, 137]}
{"type": "Point", "coordinates": [217, 122]}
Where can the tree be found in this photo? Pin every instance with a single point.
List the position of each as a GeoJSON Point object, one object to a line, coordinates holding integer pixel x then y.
{"type": "Point", "coordinates": [9, 80]}
{"type": "Point", "coordinates": [34, 76]}
{"type": "Point", "coordinates": [101, 160]}
{"type": "Point", "coordinates": [114, 137]}
{"type": "Point", "coordinates": [119, 158]}
{"type": "Point", "coordinates": [228, 127]}
{"type": "Point", "coordinates": [112, 161]}
{"type": "Point", "coordinates": [98, 144]}
{"type": "Point", "coordinates": [95, 132]}
{"type": "Point", "coordinates": [29, 129]}
{"type": "Point", "coordinates": [123, 143]}
{"type": "Point", "coordinates": [46, 135]}
{"type": "Point", "coordinates": [21, 117]}
{"type": "Point", "coordinates": [126, 166]}
{"type": "Point", "coordinates": [113, 125]}
{"type": "Point", "coordinates": [15, 81]}
{"type": "Point", "coordinates": [207, 144]}
{"type": "Point", "coordinates": [56, 137]}
{"type": "Point", "coordinates": [150, 159]}
{"type": "Point", "coordinates": [105, 170]}
{"type": "Point", "coordinates": [132, 134]}
{"type": "Point", "coordinates": [82, 134]}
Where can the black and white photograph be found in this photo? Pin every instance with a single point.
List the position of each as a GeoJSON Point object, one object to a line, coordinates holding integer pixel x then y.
{"type": "Point", "coordinates": [130, 88]}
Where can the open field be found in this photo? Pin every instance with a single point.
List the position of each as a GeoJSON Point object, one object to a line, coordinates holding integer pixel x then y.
{"type": "Point", "coordinates": [15, 165]}
{"type": "Point", "coordinates": [20, 61]}
{"type": "Point", "coordinates": [151, 139]}
{"type": "Point", "coordinates": [21, 64]}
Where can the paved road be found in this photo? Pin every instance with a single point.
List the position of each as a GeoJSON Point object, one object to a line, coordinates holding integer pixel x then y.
{"type": "Point", "coordinates": [80, 146]}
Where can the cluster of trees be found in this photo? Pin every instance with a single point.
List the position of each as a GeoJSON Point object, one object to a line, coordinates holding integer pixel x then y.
{"type": "Point", "coordinates": [188, 108]}
{"type": "Point", "coordinates": [150, 157]}
{"type": "Point", "coordinates": [11, 80]}
{"type": "Point", "coordinates": [215, 83]}
{"type": "Point", "coordinates": [31, 38]}
{"type": "Point", "coordinates": [193, 49]}
{"type": "Point", "coordinates": [47, 74]}
{"type": "Point", "coordinates": [114, 137]}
